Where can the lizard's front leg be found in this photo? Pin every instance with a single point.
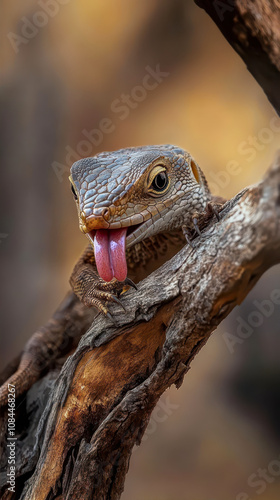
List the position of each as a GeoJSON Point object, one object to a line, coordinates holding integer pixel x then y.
{"type": "Point", "coordinates": [198, 218]}
{"type": "Point", "coordinates": [93, 290]}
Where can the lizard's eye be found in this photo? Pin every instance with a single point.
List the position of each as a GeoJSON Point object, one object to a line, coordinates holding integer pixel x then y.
{"type": "Point", "coordinates": [74, 192]}
{"type": "Point", "coordinates": [159, 181]}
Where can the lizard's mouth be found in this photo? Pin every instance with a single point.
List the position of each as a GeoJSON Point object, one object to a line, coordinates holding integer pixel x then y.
{"type": "Point", "coordinates": [109, 251]}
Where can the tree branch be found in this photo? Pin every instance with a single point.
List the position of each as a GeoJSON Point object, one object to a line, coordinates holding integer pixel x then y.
{"type": "Point", "coordinates": [103, 398]}
{"type": "Point", "coordinates": [253, 30]}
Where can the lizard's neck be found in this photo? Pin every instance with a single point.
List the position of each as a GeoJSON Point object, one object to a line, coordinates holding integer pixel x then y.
{"type": "Point", "coordinates": [149, 254]}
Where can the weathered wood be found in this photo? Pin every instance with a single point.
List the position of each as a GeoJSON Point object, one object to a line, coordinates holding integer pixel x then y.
{"type": "Point", "coordinates": [80, 426]}
{"type": "Point", "coordinates": [102, 400]}
{"type": "Point", "coordinates": [253, 29]}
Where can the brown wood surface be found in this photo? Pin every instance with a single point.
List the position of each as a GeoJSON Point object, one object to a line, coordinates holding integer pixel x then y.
{"type": "Point", "coordinates": [101, 402]}
{"type": "Point", "coordinates": [84, 419]}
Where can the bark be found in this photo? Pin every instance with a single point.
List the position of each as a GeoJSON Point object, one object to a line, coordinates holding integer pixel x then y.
{"type": "Point", "coordinates": [253, 30]}
{"type": "Point", "coordinates": [77, 425]}
{"type": "Point", "coordinates": [102, 400]}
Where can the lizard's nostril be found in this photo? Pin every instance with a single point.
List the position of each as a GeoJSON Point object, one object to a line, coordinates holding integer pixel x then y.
{"type": "Point", "coordinates": [105, 213]}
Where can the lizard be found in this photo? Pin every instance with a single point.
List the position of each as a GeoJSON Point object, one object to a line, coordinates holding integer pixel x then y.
{"type": "Point", "coordinates": [137, 207]}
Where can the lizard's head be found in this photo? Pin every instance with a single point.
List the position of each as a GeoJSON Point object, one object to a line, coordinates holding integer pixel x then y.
{"type": "Point", "coordinates": [128, 195]}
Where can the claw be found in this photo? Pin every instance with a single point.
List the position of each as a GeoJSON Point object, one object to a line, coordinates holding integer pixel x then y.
{"type": "Point", "coordinates": [213, 210]}
{"type": "Point", "coordinates": [118, 301]}
{"type": "Point", "coordinates": [129, 282]}
{"type": "Point", "coordinates": [188, 240]}
{"type": "Point", "coordinates": [195, 223]}
{"type": "Point", "coordinates": [109, 315]}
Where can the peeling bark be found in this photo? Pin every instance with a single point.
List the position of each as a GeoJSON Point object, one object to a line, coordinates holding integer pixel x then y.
{"type": "Point", "coordinates": [102, 400]}
{"type": "Point", "coordinates": [76, 426]}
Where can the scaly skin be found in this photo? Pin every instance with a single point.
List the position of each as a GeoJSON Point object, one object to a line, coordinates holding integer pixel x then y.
{"type": "Point", "coordinates": [116, 190]}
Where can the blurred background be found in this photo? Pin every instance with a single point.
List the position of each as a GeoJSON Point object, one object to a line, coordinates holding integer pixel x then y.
{"type": "Point", "coordinates": [74, 83]}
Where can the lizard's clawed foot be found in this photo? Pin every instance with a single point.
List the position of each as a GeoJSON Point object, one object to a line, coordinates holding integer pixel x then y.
{"type": "Point", "coordinates": [195, 225]}
{"type": "Point", "coordinates": [99, 294]}
{"type": "Point", "coordinates": [188, 231]}
{"type": "Point", "coordinates": [131, 283]}
{"type": "Point", "coordinates": [212, 210]}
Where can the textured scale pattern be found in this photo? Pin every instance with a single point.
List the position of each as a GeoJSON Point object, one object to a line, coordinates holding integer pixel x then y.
{"type": "Point", "coordinates": [112, 187]}
{"type": "Point", "coordinates": [113, 191]}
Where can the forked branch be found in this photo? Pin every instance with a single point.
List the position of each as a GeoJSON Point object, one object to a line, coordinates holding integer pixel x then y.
{"type": "Point", "coordinates": [103, 398]}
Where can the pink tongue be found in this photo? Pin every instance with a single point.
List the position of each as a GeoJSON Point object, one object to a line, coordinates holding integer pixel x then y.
{"type": "Point", "coordinates": [109, 251]}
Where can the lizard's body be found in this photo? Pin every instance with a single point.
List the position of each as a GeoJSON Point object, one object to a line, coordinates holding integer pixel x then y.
{"type": "Point", "coordinates": [135, 205]}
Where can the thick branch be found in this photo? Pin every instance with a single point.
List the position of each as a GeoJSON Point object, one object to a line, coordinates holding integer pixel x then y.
{"type": "Point", "coordinates": [253, 30]}
{"type": "Point", "coordinates": [106, 391]}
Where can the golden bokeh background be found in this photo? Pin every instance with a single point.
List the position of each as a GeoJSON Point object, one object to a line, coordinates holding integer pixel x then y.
{"type": "Point", "coordinates": [65, 77]}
